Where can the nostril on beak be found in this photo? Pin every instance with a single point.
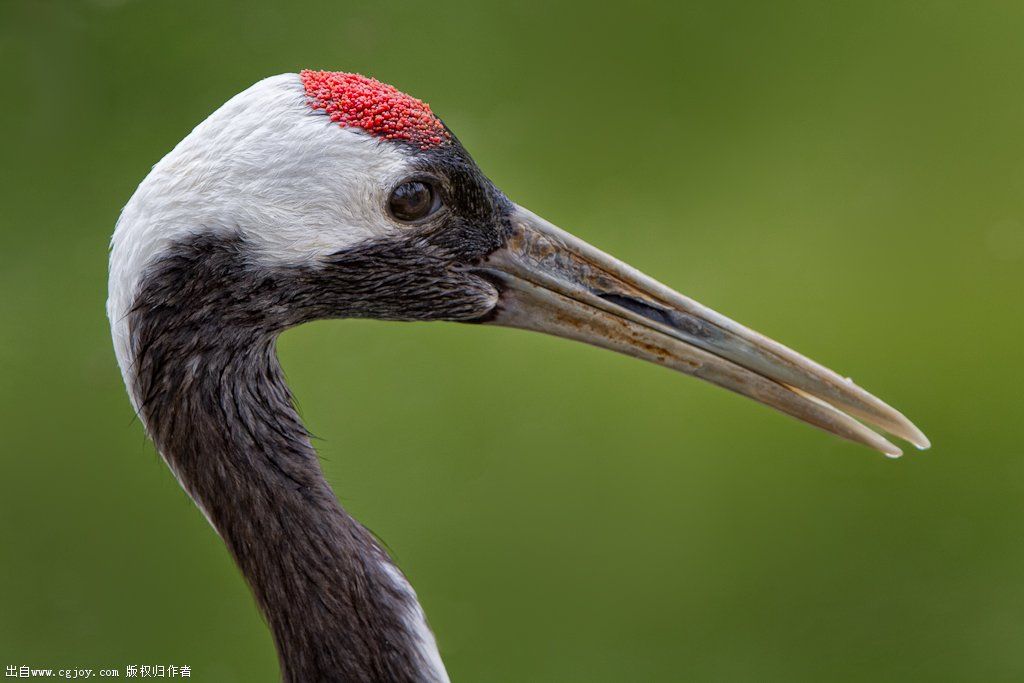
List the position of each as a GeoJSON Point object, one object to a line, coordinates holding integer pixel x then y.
{"type": "Point", "coordinates": [689, 325]}
{"type": "Point", "coordinates": [658, 315]}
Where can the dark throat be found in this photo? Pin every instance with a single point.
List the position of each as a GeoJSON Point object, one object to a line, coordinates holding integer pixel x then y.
{"type": "Point", "coordinates": [214, 399]}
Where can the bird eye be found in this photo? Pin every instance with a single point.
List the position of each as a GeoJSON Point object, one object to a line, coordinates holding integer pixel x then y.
{"type": "Point", "coordinates": [413, 201]}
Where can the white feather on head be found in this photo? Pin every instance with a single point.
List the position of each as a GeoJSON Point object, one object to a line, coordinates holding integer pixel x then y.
{"type": "Point", "coordinates": [296, 185]}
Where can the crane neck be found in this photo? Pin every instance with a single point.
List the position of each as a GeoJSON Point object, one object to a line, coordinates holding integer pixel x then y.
{"type": "Point", "coordinates": [212, 394]}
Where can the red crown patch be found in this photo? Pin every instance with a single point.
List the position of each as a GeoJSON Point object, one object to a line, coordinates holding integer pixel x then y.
{"type": "Point", "coordinates": [352, 100]}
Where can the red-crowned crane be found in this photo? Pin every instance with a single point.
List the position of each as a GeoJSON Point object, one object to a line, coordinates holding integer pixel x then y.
{"type": "Point", "coordinates": [332, 195]}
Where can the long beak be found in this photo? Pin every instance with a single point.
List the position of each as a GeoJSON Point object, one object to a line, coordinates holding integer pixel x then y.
{"type": "Point", "coordinates": [555, 283]}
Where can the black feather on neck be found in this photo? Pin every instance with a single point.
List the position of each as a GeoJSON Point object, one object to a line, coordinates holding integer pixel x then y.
{"type": "Point", "coordinates": [213, 397]}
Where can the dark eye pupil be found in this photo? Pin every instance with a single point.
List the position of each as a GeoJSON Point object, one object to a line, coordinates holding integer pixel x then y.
{"type": "Point", "coordinates": [412, 201]}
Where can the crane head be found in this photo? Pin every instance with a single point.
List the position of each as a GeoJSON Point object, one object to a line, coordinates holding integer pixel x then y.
{"type": "Point", "coordinates": [332, 195]}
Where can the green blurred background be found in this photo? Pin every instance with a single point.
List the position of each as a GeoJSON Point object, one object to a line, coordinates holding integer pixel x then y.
{"type": "Point", "coordinates": [848, 178]}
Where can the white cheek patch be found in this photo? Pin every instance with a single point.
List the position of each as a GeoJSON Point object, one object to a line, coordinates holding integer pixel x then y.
{"type": "Point", "coordinates": [265, 165]}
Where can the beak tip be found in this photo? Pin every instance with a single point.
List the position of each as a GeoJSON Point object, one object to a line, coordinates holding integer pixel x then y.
{"type": "Point", "coordinates": [918, 439]}
{"type": "Point", "coordinates": [879, 443]}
